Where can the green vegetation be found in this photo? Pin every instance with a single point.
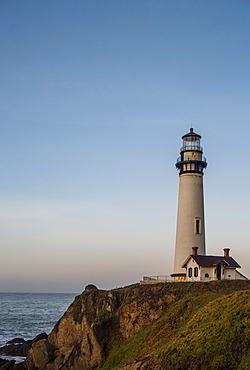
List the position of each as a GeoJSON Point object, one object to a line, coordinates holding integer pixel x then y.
{"type": "Point", "coordinates": [217, 337]}
{"type": "Point", "coordinates": [102, 317]}
{"type": "Point", "coordinates": [203, 326]}
{"type": "Point", "coordinates": [77, 309]}
{"type": "Point", "coordinates": [87, 304]}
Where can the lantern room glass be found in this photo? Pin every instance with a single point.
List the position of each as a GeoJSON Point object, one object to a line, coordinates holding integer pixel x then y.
{"type": "Point", "coordinates": [191, 143]}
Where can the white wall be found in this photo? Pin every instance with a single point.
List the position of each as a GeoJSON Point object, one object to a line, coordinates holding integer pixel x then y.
{"type": "Point", "coordinates": [190, 207]}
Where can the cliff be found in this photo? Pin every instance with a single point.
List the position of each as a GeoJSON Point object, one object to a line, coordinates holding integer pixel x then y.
{"type": "Point", "coordinates": [151, 327]}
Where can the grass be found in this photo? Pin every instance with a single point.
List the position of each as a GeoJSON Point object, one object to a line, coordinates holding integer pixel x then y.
{"type": "Point", "coordinates": [217, 337]}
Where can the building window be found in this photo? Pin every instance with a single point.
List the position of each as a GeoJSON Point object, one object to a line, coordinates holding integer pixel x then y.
{"type": "Point", "coordinates": [206, 275]}
{"type": "Point", "coordinates": [190, 272]}
{"type": "Point", "coordinates": [197, 226]}
{"type": "Point", "coordinates": [195, 271]}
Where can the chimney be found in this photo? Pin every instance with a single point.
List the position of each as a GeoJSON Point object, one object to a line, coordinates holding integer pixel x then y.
{"type": "Point", "coordinates": [226, 252]}
{"type": "Point", "coordinates": [194, 251]}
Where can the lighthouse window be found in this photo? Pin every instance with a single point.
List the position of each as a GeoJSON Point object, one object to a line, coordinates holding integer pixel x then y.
{"type": "Point", "coordinates": [190, 272]}
{"type": "Point", "coordinates": [197, 226]}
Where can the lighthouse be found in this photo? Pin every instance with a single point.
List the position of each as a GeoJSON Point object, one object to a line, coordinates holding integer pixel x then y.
{"type": "Point", "coordinates": [190, 230]}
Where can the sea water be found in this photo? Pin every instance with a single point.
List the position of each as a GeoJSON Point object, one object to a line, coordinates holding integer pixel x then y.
{"type": "Point", "coordinates": [25, 315]}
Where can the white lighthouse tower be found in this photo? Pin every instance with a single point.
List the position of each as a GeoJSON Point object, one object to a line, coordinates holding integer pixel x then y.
{"type": "Point", "coordinates": [190, 231]}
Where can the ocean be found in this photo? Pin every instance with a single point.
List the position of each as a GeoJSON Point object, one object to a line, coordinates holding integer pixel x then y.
{"type": "Point", "coordinates": [25, 315]}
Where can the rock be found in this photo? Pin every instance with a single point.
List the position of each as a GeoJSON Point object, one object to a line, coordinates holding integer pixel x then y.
{"type": "Point", "coordinates": [6, 364]}
{"type": "Point", "coordinates": [40, 337]}
{"type": "Point", "coordinates": [20, 349]}
{"type": "Point", "coordinates": [16, 341]}
{"type": "Point", "coordinates": [20, 366]}
{"type": "Point", "coordinates": [90, 287]}
{"type": "Point", "coordinates": [40, 354]}
{"type": "Point", "coordinates": [20, 346]}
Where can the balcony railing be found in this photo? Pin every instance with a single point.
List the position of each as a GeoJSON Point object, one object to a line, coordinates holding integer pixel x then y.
{"type": "Point", "coordinates": [203, 159]}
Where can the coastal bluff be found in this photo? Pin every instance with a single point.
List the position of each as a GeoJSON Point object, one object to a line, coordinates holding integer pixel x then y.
{"type": "Point", "coordinates": [150, 327]}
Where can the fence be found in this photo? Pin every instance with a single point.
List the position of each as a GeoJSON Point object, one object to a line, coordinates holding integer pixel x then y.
{"type": "Point", "coordinates": [157, 278]}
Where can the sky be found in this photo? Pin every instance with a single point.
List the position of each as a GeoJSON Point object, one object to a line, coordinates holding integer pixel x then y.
{"type": "Point", "coordinates": [94, 98]}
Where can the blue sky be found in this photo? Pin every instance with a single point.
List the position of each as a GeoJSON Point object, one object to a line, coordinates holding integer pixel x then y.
{"type": "Point", "coordinates": [95, 96]}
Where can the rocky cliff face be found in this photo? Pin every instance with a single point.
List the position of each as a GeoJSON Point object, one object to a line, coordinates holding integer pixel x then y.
{"type": "Point", "coordinates": [81, 338]}
{"type": "Point", "coordinates": [130, 328]}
